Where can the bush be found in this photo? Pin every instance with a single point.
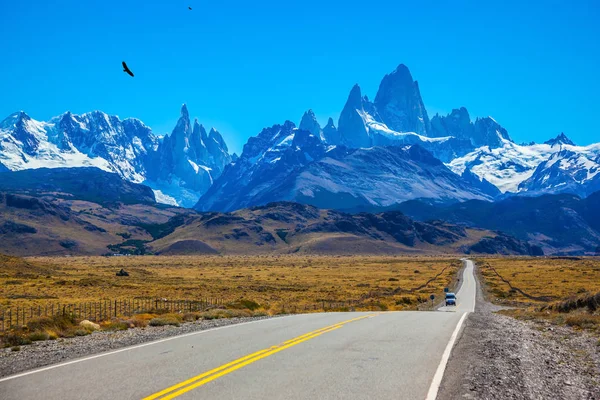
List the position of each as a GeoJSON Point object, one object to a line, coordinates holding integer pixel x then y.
{"type": "Point", "coordinates": [56, 323]}
{"type": "Point", "coordinates": [582, 321]}
{"type": "Point", "coordinates": [13, 339]}
{"type": "Point", "coordinates": [393, 280]}
{"type": "Point", "coordinates": [81, 332]}
{"type": "Point", "coordinates": [137, 322]}
{"type": "Point", "coordinates": [244, 304]}
{"type": "Point", "coordinates": [38, 336]}
{"type": "Point", "coordinates": [260, 314]}
{"type": "Point", "coordinates": [115, 326]}
{"type": "Point", "coordinates": [404, 300]}
{"type": "Point", "coordinates": [218, 313]}
{"type": "Point", "coordinates": [192, 316]}
{"type": "Point", "coordinates": [167, 319]}
{"type": "Point", "coordinates": [15, 348]}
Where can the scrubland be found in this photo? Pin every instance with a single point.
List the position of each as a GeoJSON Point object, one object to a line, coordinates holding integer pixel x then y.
{"type": "Point", "coordinates": [239, 286]}
{"type": "Point", "coordinates": [562, 290]}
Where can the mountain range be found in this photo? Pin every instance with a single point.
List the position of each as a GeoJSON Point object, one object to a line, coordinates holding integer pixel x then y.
{"type": "Point", "coordinates": [178, 167]}
{"type": "Point", "coordinates": [47, 225]}
{"type": "Point", "coordinates": [382, 152]}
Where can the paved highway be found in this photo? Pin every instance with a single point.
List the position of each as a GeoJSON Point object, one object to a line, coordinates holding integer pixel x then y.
{"type": "Point", "coordinates": [356, 355]}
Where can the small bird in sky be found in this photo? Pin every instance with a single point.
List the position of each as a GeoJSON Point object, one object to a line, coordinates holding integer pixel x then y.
{"type": "Point", "coordinates": [189, 8]}
{"type": "Point", "coordinates": [126, 69]}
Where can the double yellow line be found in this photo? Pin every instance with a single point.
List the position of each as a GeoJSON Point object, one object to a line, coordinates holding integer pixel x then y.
{"type": "Point", "coordinates": [204, 378]}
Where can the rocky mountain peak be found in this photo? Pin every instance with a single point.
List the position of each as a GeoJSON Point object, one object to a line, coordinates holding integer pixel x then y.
{"type": "Point", "coordinates": [355, 97]}
{"type": "Point", "coordinates": [399, 103]}
{"type": "Point", "coordinates": [330, 133]}
{"type": "Point", "coordinates": [184, 111]}
{"type": "Point", "coordinates": [351, 125]}
{"type": "Point", "coordinates": [310, 124]}
{"type": "Point", "coordinates": [560, 139]}
{"type": "Point", "coordinates": [13, 119]}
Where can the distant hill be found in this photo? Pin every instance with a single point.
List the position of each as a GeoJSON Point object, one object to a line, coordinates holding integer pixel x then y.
{"type": "Point", "coordinates": [90, 184]}
{"type": "Point", "coordinates": [55, 226]}
{"type": "Point", "coordinates": [31, 226]}
{"type": "Point", "coordinates": [559, 224]}
{"type": "Point", "coordinates": [286, 227]}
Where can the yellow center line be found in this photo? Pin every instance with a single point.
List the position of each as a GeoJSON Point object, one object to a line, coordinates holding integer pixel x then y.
{"type": "Point", "coordinates": [225, 369]}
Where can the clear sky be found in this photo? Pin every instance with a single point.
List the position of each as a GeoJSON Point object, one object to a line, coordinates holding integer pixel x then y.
{"type": "Point", "coordinates": [243, 65]}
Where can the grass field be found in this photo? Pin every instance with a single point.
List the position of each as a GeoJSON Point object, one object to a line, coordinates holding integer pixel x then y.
{"type": "Point", "coordinates": [561, 290]}
{"type": "Point", "coordinates": [386, 283]}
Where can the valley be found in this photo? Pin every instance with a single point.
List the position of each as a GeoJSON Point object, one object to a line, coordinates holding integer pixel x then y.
{"type": "Point", "coordinates": [276, 283]}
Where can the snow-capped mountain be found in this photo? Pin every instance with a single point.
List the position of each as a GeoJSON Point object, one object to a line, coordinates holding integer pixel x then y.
{"type": "Point", "coordinates": [92, 139]}
{"type": "Point", "coordinates": [380, 153]}
{"type": "Point", "coordinates": [483, 132]}
{"type": "Point", "coordinates": [566, 171]}
{"type": "Point", "coordinates": [285, 163]}
{"type": "Point", "coordinates": [556, 166]}
{"type": "Point", "coordinates": [187, 162]}
{"type": "Point", "coordinates": [180, 167]}
{"type": "Point", "coordinates": [399, 103]}
{"type": "Point", "coordinates": [398, 117]}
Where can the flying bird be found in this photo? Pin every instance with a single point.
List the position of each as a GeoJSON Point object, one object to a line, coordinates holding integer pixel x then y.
{"type": "Point", "coordinates": [126, 69]}
{"type": "Point", "coordinates": [189, 8]}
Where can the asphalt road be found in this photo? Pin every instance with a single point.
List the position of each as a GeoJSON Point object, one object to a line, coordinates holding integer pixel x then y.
{"type": "Point", "coordinates": [354, 355]}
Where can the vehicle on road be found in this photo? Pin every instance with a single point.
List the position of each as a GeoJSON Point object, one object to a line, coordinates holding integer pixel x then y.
{"type": "Point", "coordinates": [450, 299]}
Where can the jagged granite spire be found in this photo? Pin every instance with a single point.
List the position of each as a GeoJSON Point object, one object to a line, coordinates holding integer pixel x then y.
{"type": "Point", "coordinates": [351, 125]}
{"type": "Point", "coordinates": [310, 124]}
{"type": "Point", "coordinates": [330, 133]}
{"type": "Point", "coordinates": [399, 103]}
{"type": "Point", "coordinates": [560, 139]}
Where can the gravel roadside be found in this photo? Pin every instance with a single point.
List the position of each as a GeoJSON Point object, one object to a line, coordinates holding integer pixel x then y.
{"type": "Point", "coordinates": [499, 357]}
{"type": "Point", "coordinates": [39, 354]}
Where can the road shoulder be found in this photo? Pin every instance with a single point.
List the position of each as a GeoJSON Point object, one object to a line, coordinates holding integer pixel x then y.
{"type": "Point", "coordinates": [499, 357]}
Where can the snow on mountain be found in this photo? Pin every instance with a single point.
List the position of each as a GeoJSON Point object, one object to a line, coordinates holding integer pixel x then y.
{"type": "Point", "coordinates": [72, 141]}
{"type": "Point", "coordinates": [399, 103]}
{"type": "Point", "coordinates": [483, 132]}
{"type": "Point", "coordinates": [187, 161]}
{"type": "Point", "coordinates": [309, 123]}
{"type": "Point", "coordinates": [510, 166]}
{"type": "Point", "coordinates": [560, 140]}
{"type": "Point", "coordinates": [361, 126]}
{"type": "Point", "coordinates": [180, 166]}
{"type": "Point", "coordinates": [331, 133]}
{"type": "Point", "coordinates": [267, 160]}
{"type": "Point", "coordinates": [570, 170]}
{"type": "Point", "coordinates": [285, 163]}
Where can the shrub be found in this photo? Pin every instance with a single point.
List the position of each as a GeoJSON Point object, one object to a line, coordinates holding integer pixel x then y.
{"type": "Point", "coordinates": [15, 348]}
{"type": "Point", "coordinates": [192, 316]}
{"type": "Point", "coordinates": [13, 339]}
{"type": "Point", "coordinates": [404, 300]}
{"type": "Point", "coordinates": [137, 322]}
{"type": "Point", "coordinates": [393, 280]}
{"type": "Point", "coordinates": [38, 336]}
{"type": "Point", "coordinates": [259, 314]}
{"type": "Point", "coordinates": [582, 321]}
{"type": "Point", "coordinates": [218, 313]}
{"type": "Point", "coordinates": [81, 332]}
{"type": "Point", "coordinates": [167, 319]}
{"type": "Point", "coordinates": [247, 304]}
{"type": "Point", "coordinates": [115, 325]}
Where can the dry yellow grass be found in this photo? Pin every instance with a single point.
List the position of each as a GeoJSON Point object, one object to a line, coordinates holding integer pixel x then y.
{"type": "Point", "coordinates": [294, 282]}
{"type": "Point", "coordinates": [545, 279]}
{"type": "Point", "coordinates": [540, 287]}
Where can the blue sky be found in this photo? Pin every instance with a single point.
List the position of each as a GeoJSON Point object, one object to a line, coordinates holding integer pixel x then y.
{"type": "Point", "coordinates": [244, 65]}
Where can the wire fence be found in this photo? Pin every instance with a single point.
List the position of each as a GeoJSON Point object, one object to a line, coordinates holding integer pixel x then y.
{"type": "Point", "coordinates": [102, 310]}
